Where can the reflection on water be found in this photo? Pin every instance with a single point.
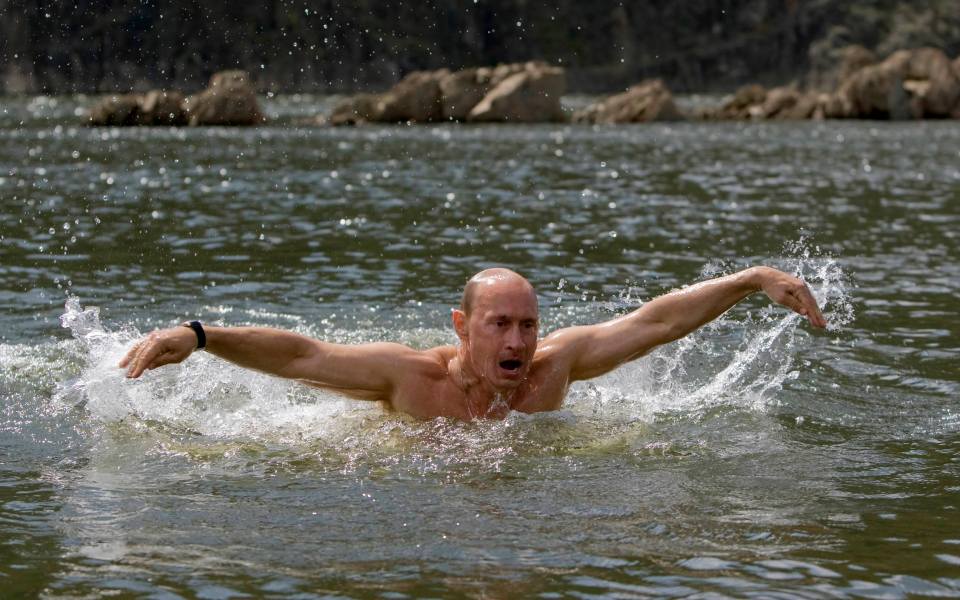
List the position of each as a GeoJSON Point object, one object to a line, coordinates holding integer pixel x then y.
{"type": "Point", "coordinates": [756, 457]}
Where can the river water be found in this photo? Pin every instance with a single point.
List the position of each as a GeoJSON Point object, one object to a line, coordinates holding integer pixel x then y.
{"type": "Point", "coordinates": [756, 458]}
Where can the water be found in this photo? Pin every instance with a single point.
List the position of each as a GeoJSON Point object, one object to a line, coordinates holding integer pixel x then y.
{"type": "Point", "coordinates": [756, 458]}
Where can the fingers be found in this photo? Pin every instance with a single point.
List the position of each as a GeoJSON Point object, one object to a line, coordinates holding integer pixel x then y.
{"type": "Point", "coordinates": [813, 311]}
{"type": "Point", "coordinates": [143, 355]}
{"type": "Point", "coordinates": [800, 299]}
{"type": "Point", "coordinates": [161, 347]}
{"type": "Point", "coordinates": [796, 295]}
{"type": "Point", "coordinates": [145, 359]}
{"type": "Point", "coordinates": [792, 301]}
{"type": "Point", "coordinates": [129, 355]}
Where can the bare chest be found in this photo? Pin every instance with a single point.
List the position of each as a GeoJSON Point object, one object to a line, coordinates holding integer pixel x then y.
{"type": "Point", "coordinates": [443, 397]}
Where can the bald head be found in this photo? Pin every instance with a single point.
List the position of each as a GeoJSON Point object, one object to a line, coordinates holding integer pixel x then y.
{"type": "Point", "coordinates": [491, 280]}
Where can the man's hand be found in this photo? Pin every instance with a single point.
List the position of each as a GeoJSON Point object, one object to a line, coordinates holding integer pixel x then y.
{"type": "Point", "coordinates": [790, 292]}
{"type": "Point", "coordinates": [162, 347]}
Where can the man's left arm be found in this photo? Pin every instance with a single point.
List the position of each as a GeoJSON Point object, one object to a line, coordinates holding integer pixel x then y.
{"type": "Point", "coordinates": [593, 350]}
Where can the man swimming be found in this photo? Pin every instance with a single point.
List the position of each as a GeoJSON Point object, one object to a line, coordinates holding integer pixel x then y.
{"type": "Point", "coordinates": [499, 364]}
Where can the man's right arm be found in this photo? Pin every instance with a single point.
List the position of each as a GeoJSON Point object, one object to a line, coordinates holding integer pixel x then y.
{"type": "Point", "coordinates": [367, 370]}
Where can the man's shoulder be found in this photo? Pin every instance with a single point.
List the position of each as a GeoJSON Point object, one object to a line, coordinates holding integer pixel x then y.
{"type": "Point", "coordinates": [430, 362]}
{"type": "Point", "coordinates": [561, 343]}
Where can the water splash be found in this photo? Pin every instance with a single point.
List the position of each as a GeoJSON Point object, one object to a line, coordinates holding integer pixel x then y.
{"type": "Point", "coordinates": [203, 395]}
{"type": "Point", "coordinates": [732, 361]}
{"type": "Point", "coordinates": [743, 363]}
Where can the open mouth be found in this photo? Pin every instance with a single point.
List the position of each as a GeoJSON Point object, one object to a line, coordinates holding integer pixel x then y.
{"type": "Point", "coordinates": [511, 364]}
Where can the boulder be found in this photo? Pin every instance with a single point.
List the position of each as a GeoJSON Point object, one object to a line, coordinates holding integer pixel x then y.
{"type": "Point", "coordinates": [835, 107]}
{"type": "Point", "coordinates": [852, 59]}
{"type": "Point", "coordinates": [427, 96]}
{"type": "Point", "coordinates": [873, 92]}
{"type": "Point", "coordinates": [162, 107]}
{"type": "Point", "coordinates": [931, 81]}
{"type": "Point", "coordinates": [528, 96]}
{"type": "Point", "coordinates": [909, 84]}
{"type": "Point", "coordinates": [777, 103]}
{"type": "Point", "coordinates": [782, 103]}
{"type": "Point", "coordinates": [355, 110]}
{"type": "Point", "coordinates": [115, 111]}
{"type": "Point", "coordinates": [461, 91]}
{"type": "Point", "coordinates": [808, 105]}
{"type": "Point", "coordinates": [744, 104]}
{"type": "Point", "coordinates": [229, 100]}
{"type": "Point", "coordinates": [415, 98]}
{"type": "Point", "coordinates": [646, 101]}
{"type": "Point", "coordinates": [955, 113]}
{"type": "Point", "coordinates": [501, 72]}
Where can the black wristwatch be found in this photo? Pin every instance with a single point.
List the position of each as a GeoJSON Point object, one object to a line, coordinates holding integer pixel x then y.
{"type": "Point", "coordinates": [197, 329]}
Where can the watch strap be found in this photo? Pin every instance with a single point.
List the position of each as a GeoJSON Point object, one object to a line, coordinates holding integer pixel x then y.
{"type": "Point", "coordinates": [198, 329]}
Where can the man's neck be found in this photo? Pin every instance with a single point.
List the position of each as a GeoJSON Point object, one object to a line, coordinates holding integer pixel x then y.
{"type": "Point", "coordinates": [481, 399]}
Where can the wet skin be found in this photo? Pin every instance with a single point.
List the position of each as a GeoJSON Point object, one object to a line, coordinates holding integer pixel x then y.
{"type": "Point", "coordinates": [499, 364]}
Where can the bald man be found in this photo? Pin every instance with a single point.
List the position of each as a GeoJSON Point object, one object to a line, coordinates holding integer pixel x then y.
{"type": "Point", "coordinates": [499, 364]}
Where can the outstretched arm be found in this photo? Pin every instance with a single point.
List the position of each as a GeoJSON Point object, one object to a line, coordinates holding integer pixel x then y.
{"type": "Point", "coordinates": [365, 370]}
{"type": "Point", "coordinates": [596, 349]}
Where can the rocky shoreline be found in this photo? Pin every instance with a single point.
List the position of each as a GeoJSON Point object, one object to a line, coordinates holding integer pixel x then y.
{"type": "Point", "coordinates": [921, 83]}
{"type": "Point", "coordinates": [229, 99]}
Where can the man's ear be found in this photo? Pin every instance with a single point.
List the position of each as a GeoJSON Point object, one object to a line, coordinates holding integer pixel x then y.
{"type": "Point", "coordinates": [460, 323]}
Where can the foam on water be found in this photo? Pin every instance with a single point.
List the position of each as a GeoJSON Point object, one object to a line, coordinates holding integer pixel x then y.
{"type": "Point", "coordinates": [729, 361]}
{"type": "Point", "coordinates": [204, 395]}
{"type": "Point", "coordinates": [732, 361]}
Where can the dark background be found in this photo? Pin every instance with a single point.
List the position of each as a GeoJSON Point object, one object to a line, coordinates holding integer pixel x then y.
{"type": "Point", "coordinates": [331, 46]}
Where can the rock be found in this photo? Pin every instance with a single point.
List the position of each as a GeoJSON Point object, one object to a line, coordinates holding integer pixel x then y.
{"type": "Point", "coordinates": [909, 84]}
{"type": "Point", "coordinates": [955, 113]}
{"type": "Point", "coordinates": [782, 103]}
{"type": "Point", "coordinates": [355, 110]}
{"type": "Point", "coordinates": [427, 96]}
{"type": "Point", "coordinates": [808, 105]}
{"type": "Point", "coordinates": [162, 107]}
{"type": "Point", "coordinates": [776, 104]}
{"type": "Point", "coordinates": [415, 98]}
{"type": "Point", "coordinates": [115, 111]}
{"type": "Point", "coordinates": [501, 72]}
{"type": "Point", "coordinates": [528, 96]}
{"type": "Point", "coordinates": [461, 91]}
{"type": "Point", "coordinates": [746, 103]}
{"type": "Point", "coordinates": [836, 107]}
{"type": "Point", "coordinates": [853, 58]}
{"type": "Point", "coordinates": [931, 81]}
{"type": "Point", "coordinates": [646, 101]}
{"type": "Point", "coordinates": [874, 92]}
{"type": "Point", "coordinates": [229, 100]}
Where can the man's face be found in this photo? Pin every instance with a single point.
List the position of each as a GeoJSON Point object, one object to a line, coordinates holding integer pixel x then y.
{"type": "Point", "coordinates": [501, 333]}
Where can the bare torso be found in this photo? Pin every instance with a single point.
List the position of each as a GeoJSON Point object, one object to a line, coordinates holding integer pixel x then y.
{"type": "Point", "coordinates": [436, 387]}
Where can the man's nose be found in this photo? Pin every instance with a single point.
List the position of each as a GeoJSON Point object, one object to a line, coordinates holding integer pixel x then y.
{"type": "Point", "coordinates": [515, 339]}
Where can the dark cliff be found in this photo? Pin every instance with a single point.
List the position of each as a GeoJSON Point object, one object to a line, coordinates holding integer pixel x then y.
{"type": "Point", "coordinates": [329, 45]}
